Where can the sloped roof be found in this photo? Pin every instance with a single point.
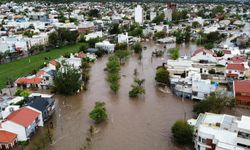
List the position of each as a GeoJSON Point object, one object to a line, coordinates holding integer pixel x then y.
{"type": "Point", "coordinates": [203, 50]}
{"type": "Point", "coordinates": [25, 80]}
{"type": "Point", "coordinates": [239, 67]}
{"type": "Point", "coordinates": [7, 137]}
{"type": "Point", "coordinates": [24, 116]}
{"type": "Point", "coordinates": [242, 86]}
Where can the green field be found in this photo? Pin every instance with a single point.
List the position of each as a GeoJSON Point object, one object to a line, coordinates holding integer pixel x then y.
{"type": "Point", "coordinates": [24, 66]}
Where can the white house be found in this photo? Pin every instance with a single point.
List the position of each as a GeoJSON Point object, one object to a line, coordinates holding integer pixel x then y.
{"type": "Point", "coordinates": [23, 122]}
{"type": "Point", "coordinates": [221, 132]}
{"type": "Point", "coordinates": [93, 35]}
{"type": "Point", "coordinates": [74, 61]}
{"type": "Point", "coordinates": [199, 20]}
{"type": "Point", "coordinates": [201, 88]}
{"type": "Point", "coordinates": [123, 38]}
{"type": "Point", "coordinates": [203, 56]}
{"type": "Point", "coordinates": [152, 15]}
{"type": "Point", "coordinates": [168, 14]}
{"type": "Point", "coordinates": [179, 66]}
{"type": "Point", "coordinates": [138, 13]}
{"type": "Point", "coordinates": [106, 45]}
{"type": "Point", "coordinates": [6, 47]}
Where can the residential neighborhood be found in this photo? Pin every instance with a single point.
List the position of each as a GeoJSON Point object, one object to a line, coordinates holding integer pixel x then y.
{"type": "Point", "coordinates": [125, 75]}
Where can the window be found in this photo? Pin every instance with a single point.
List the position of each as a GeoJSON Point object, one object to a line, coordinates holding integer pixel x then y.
{"type": "Point", "coordinates": [195, 93]}
{"type": "Point", "coordinates": [243, 135]}
{"type": "Point", "coordinates": [199, 139]}
{"type": "Point", "coordinates": [203, 141]}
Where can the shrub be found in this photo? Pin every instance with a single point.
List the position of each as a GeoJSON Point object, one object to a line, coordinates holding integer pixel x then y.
{"type": "Point", "coordinates": [162, 75]}
{"type": "Point", "coordinates": [99, 114]}
{"type": "Point", "coordinates": [182, 132]}
{"type": "Point", "coordinates": [174, 53]}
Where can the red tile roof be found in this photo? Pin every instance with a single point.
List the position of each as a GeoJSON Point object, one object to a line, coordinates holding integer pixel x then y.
{"type": "Point", "coordinates": [239, 67]}
{"type": "Point", "coordinates": [24, 116]}
{"type": "Point", "coordinates": [54, 62]}
{"type": "Point", "coordinates": [242, 86]}
{"type": "Point", "coordinates": [24, 80]}
{"type": "Point", "coordinates": [40, 73]}
{"type": "Point", "coordinates": [239, 59]}
{"type": "Point", "coordinates": [203, 50]}
{"type": "Point", "coordinates": [7, 137]}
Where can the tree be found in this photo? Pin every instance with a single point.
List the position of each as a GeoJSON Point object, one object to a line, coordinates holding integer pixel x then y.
{"type": "Point", "coordinates": [137, 47]}
{"type": "Point", "coordinates": [67, 80]}
{"type": "Point", "coordinates": [121, 46]}
{"type": "Point", "coordinates": [162, 75]}
{"type": "Point", "coordinates": [219, 53]}
{"type": "Point", "coordinates": [94, 13]}
{"type": "Point", "coordinates": [99, 113]}
{"type": "Point", "coordinates": [114, 29]}
{"type": "Point", "coordinates": [23, 93]}
{"type": "Point", "coordinates": [113, 73]}
{"type": "Point", "coordinates": [209, 46]}
{"type": "Point", "coordinates": [137, 88]}
{"type": "Point", "coordinates": [196, 24]}
{"type": "Point", "coordinates": [135, 30]}
{"type": "Point", "coordinates": [85, 72]}
{"type": "Point", "coordinates": [92, 41]}
{"type": "Point", "coordinates": [53, 40]}
{"type": "Point", "coordinates": [158, 19]}
{"type": "Point", "coordinates": [84, 47]}
{"type": "Point", "coordinates": [214, 103]}
{"type": "Point", "coordinates": [182, 132]}
{"type": "Point", "coordinates": [160, 35]}
{"type": "Point", "coordinates": [122, 54]}
{"type": "Point", "coordinates": [218, 10]}
{"type": "Point", "coordinates": [174, 53]}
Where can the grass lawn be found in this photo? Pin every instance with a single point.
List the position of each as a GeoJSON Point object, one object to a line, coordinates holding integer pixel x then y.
{"type": "Point", "coordinates": [24, 66]}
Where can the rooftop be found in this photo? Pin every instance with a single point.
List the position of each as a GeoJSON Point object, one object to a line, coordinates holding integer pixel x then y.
{"type": "Point", "coordinates": [24, 116]}
{"type": "Point", "coordinates": [7, 137]}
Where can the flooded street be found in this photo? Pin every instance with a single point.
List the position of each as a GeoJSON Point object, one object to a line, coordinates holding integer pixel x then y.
{"type": "Point", "coordinates": [133, 124]}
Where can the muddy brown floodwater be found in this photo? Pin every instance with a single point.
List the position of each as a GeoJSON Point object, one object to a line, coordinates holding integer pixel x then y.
{"type": "Point", "coordinates": [133, 124]}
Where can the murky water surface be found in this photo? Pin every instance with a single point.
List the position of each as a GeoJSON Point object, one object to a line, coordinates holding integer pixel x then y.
{"type": "Point", "coordinates": [133, 124]}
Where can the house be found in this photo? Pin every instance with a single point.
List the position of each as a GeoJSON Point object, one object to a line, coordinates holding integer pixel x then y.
{"type": "Point", "coordinates": [46, 105]}
{"type": "Point", "coordinates": [241, 89]}
{"type": "Point", "coordinates": [7, 139]}
{"type": "Point", "coordinates": [168, 14]}
{"type": "Point", "coordinates": [153, 15]}
{"type": "Point", "coordinates": [86, 27]}
{"type": "Point", "coordinates": [123, 38]}
{"type": "Point", "coordinates": [106, 45]}
{"type": "Point", "coordinates": [235, 71]}
{"type": "Point", "coordinates": [138, 13]}
{"type": "Point", "coordinates": [8, 104]}
{"type": "Point", "coordinates": [201, 88]}
{"type": "Point", "coordinates": [74, 61]}
{"type": "Point", "coordinates": [204, 56]}
{"type": "Point", "coordinates": [23, 122]}
{"type": "Point", "coordinates": [240, 59]}
{"type": "Point", "coordinates": [29, 82]}
{"type": "Point", "coordinates": [53, 64]}
{"type": "Point", "coordinates": [179, 66]}
{"type": "Point", "coordinates": [221, 132]}
{"type": "Point", "coordinates": [93, 35]}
